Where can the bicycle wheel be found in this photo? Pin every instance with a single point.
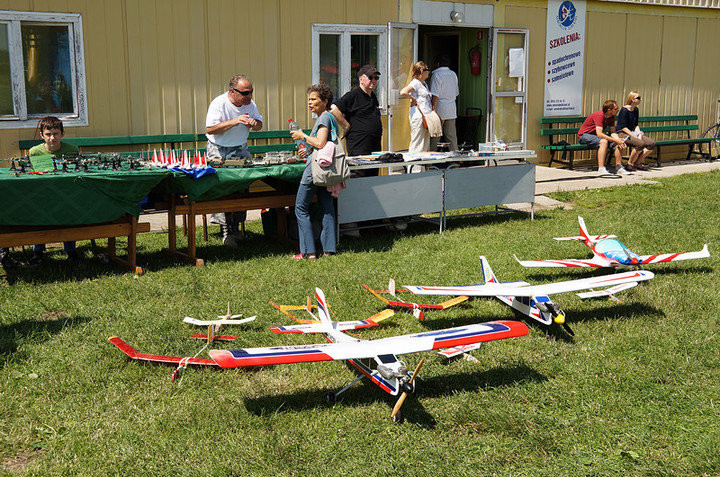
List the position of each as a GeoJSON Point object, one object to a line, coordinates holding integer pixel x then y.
{"type": "Point", "coordinates": [711, 149]}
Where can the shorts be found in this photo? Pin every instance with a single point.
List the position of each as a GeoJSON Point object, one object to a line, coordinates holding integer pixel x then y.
{"type": "Point", "coordinates": [593, 141]}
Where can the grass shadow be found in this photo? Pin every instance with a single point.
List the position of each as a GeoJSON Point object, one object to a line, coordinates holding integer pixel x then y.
{"type": "Point", "coordinates": [40, 329]}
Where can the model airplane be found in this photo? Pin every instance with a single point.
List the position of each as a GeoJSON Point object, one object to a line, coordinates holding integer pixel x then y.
{"type": "Point", "coordinates": [610, 252]}
{"type": "Point", "coordinates": [389, 373]}
{"type": "Point", "coordinates": [534, 301]}
{"type": "Point", "coordinates": [417, 308]}
{"type": "Point", "coordinates": [182, 362]}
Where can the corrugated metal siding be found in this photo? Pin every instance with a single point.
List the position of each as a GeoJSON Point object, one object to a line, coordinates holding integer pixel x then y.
{"type": "Point", "coordinates": [153, 66]}
{"type": "Point", "coordinates": [673, 3]}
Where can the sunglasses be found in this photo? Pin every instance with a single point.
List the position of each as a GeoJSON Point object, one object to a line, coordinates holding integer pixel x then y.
{"type": "Point", "coordinates": [244, 93]}
{"type": "Point", "coordinates": [638, 98]}
{"type": "Point", "coordinates": [373, 78]}
{"type": "Point", "coordinates": [425, 69]}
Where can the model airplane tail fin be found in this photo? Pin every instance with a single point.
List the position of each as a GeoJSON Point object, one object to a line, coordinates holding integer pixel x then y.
{"type": "Point", "coordinates": [488, 274]}
{"type": "Point", "coordinates": [323, 310]}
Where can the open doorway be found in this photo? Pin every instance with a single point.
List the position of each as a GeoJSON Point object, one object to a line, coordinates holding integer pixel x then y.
{"type": "Point", "coordinates": [467, 49]}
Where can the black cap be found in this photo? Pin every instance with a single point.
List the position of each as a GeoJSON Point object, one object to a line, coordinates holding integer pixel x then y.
{"type": "Point", "coordinates": [368, 70]}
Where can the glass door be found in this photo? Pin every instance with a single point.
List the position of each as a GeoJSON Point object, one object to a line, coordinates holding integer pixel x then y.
{"type": "Point", "coordinates": [402, 53]}
{"type": "Point", "coordinates": [507, 120]}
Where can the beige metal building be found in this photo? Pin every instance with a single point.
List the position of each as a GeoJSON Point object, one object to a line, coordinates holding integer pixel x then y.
{"type": "Point", "coordinates": [132, 67]}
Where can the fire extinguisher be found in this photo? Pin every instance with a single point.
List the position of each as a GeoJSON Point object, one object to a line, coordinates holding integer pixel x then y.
{"type": "Point", "coordinates": [475, 57]}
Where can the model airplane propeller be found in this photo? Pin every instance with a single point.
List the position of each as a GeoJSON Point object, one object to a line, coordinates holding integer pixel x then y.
{"type": "Point", "coordinates": [610, 252]}
{"type": "Point", "coordinates": [534, 301]}
{"type": "Point", "coordinates": [417, 308]}
{"type": "Point", "coordinates": [374, 359]}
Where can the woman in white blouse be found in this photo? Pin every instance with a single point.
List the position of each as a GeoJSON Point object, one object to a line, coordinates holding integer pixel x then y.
{"type": "Point", "coordinates": [420, 103]}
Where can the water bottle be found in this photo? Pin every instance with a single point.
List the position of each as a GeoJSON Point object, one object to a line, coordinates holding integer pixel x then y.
{"type": "Point", "coordinates": [301, 145]}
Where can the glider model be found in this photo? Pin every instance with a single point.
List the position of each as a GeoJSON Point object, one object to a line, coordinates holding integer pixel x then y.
{"type": "Point", "coordinates": [389, 373]}
{"type": "Point", "coordinates": [534, 301]}
{"type": "Point", "coordinates": [610, 252]}
{"type": "Point", "coordinates": [183, 361]}
{"type": "Point", "coordinates": [417, 308]}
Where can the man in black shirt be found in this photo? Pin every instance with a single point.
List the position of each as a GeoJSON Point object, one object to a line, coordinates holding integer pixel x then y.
{"type": "Point", "coordinates": [358, 112]}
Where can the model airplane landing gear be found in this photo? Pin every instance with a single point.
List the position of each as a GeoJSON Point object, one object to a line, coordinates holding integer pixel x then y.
{"type": "Point", "coordinates": [332, 397]}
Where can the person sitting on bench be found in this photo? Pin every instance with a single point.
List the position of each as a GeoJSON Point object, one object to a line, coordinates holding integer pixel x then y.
{"type": "Point", "coordinates": [592, 134]}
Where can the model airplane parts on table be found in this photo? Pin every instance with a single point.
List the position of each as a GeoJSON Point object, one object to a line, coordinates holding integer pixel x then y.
{"type": "Point", "coordinates": [534, 300]}
{"type": "Point", "coordinates": [389, 373]}
{"type": "Point", "coordinates": [610, 252]}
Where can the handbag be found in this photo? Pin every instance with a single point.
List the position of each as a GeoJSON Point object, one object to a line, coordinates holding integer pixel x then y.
{"type": "Point", "coordinates": [338, 171]}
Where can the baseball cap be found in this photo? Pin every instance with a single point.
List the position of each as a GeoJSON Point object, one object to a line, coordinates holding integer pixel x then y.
{"type": "Point", "coordinates": [368, 70]}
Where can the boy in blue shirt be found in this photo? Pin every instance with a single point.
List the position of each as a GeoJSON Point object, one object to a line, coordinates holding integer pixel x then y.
{"type": "Point", "coordinates": [52, 132]}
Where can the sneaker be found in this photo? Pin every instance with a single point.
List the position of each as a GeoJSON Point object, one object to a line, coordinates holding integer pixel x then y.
{"type": "Point", "coordinates": [640, 167]}
{"type": "Point", "coordinates": [630, 167]}
{"type": "Point", "coordinates": [622, 171]}
{"type": "Point", "coordinates": [229, 241]}
{"type": "Point", "coordinates": [602, 171]}
{"type": "Point", "coordinates": [7, 262]}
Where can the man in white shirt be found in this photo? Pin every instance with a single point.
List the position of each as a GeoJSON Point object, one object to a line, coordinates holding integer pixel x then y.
{"type": "Point", "coordinates": [230, 118]}
{"type": "Point", "coordinates": [444, 89]}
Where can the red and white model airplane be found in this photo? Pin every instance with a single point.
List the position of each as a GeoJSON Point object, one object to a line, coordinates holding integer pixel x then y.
{"type": "Point", "coordinates": [610, 252]}
{"type": "Point", "coordinates": [534, 300]}
{"type": "Point", "coordinates": [375, 359]}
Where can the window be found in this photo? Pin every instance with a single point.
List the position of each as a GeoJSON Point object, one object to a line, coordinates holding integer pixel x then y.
{"type": "Point", "coordinates": [339, 51]}
{"type": "Point", "coordinates": [42, 69]}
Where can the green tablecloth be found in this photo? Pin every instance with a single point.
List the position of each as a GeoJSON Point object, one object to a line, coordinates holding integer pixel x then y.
{"type": "Point", "coordinates": [229, 180]}
{"type": "Point", "coordinates": [74, 198]}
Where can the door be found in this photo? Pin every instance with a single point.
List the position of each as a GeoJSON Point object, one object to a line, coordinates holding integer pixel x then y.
{"type": "Point", "coordinates": [507, 120]}
{"type": "Point", "coordinates": [402, 53]}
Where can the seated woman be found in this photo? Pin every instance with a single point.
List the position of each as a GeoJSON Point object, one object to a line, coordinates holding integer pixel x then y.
{"type": "Point", "coordinates": [628, 130]}
{"type": "Point", "coordinates": [420, 103]}
{"type": "Point", "coordinates": [320, 97]}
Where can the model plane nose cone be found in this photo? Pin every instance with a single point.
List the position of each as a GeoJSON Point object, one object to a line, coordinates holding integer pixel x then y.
{"type": "Point", "coordinates": [634, 261]}
{"type": "Point", "coordinates": [560, 318]}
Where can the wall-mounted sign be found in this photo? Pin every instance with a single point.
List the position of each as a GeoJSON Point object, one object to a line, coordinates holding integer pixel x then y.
{"type": "Point", "coordinates": [564, 53]}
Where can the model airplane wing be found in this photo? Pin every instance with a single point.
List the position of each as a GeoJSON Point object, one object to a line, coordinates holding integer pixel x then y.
{"type": "Point", "coordinates": [607, 291]}
{"type": "Point", "coordinates": [674, 257]}
{"type": "Point", "coordinates": [338, 325]}
{"type": "Point", "coordinates": [407, 304]}
{"type": "Point", "coordinates": [499, 289]}
{"type": "Point", "coordinates": [595, 261]}
{"type": "Point", "coordinates": [157, 358]}
{"type": "Point", "coordinates": [286, 309]}
{"type": "Point", "coordinates": [221, 321]}
{"type": "Point", "coordinates": [413, 343]}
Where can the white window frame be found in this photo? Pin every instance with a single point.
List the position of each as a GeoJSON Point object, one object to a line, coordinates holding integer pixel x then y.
{"type": "Point", "coordinates": [21, 119]}
{"type": "Point", "coordinates": [345, 31]}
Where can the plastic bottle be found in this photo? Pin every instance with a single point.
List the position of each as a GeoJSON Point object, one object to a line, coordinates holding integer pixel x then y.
{"type": "Point", "coordinates": [301, 145]}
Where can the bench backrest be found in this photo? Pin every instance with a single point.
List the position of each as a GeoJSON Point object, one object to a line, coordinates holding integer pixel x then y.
{"type": "Point", "coordinates": [259, 142]}
{"type": "Point", "coordinates": [649, 124]}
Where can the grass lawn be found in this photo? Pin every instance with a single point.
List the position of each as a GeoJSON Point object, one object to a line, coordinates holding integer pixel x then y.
{"type": "Point", "coordinates": [637, 391]}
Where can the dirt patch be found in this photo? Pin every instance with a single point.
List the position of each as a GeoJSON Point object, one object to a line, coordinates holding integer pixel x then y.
{"type": "Point", "coordinates": [53, 316]}
{"type": "Point", "coordinates": [20, 462]}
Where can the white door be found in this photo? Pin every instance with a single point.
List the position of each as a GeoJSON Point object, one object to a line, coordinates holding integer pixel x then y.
{"type": "Point", "coordinates": [508, 86]}
{"type": "Point", "coordinates": [402, 53]}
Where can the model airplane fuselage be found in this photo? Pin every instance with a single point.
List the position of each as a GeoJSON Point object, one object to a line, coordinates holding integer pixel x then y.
{"type": "Point", "coordinates": [610, 252]}
{"type": "Point", "coordinates": [534, 300]}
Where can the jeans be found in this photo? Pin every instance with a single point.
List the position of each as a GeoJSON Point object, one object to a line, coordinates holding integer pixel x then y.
{"type": "Point", "coordinates": [328, 237]}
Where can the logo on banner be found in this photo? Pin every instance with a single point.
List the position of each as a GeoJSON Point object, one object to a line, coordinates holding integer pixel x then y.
{"type": "Point", "coordinates": [566, 15]}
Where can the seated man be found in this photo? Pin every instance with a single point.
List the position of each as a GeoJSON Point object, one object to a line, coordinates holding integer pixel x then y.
{"type": "Point", "coordinates": [592, 134]}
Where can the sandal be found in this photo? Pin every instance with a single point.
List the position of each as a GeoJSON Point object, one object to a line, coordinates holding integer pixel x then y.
{"type": "Point", "coordinates": [301, 256]}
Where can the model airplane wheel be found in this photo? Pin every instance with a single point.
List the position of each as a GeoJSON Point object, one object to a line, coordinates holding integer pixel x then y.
{"type": "Point", "coordinates": [331, 398]}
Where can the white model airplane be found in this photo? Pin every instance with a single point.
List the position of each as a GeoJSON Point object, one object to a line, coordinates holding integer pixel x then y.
{"type": "Point", "coordinates": [533, 300]}
{"type": "Point", "coordinates": [389, 373]}
{"type": "Point", "coordinates": [610, 252]}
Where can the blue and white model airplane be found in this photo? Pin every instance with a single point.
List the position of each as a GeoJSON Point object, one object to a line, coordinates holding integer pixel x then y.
{"type": "Point", "coordinates": [534, 300]}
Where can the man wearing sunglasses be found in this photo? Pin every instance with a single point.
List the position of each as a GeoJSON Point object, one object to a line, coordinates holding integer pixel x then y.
{"type": "Point", "coordinates": [230, 118]}
{"type": "Point", "coordinates": [358, 112]}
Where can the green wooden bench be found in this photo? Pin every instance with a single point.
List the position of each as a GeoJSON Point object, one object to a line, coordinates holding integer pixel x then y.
{"type": "Point", "coordinates": [666, 130]}
{"type": "Point", "coordinates": [259, 142]}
